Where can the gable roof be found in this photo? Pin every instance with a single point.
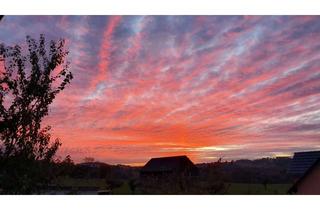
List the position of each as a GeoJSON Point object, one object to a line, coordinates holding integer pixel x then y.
{"type": "Point", "coordinates": [167, 164]}
{"type": "Point", "coordinates": [302, 161]}
{"type": "Point", "coordinates": [294, 187]}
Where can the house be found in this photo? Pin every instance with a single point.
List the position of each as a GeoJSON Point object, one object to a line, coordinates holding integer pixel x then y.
{"type": "Point", "coordinates": [309, 183]}
{"type": "Point", "coordinates": [301, 162]}
{"type": "Point", "coordinates": [169, 166]}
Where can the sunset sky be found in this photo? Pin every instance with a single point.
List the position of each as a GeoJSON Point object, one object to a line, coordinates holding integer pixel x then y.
{"type": "Point", "coordinates": [203, 86]}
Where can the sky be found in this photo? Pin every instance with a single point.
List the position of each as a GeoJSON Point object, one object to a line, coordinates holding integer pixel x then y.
{"type": "Point", "coordinates": [208, 87]}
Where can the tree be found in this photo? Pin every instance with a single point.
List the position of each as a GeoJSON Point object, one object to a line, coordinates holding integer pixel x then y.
{"type": "Point", "coordinates": [65, 167]}
{"type": "Point", "coordinates": [29, 82]}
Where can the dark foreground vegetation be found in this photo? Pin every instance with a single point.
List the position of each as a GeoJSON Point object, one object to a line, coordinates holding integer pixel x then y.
{"type": "Point", "coordinates": [261, 176]}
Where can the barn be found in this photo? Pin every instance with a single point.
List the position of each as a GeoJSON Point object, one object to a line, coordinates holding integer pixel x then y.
{"type": "Point", "coordinates": [309, 183]}
{"type": "Point", "coordinates": [175, 165]}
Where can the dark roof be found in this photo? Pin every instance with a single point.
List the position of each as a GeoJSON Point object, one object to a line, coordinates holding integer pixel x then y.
{"type": "Point", "coordinates": [294, 188]}
{"type": "Point", "coordinates": [166, 164]}
{"type": "Point", "coordinates": [1, 16]}
{"type": "Point", "coordinates": [302, 161]}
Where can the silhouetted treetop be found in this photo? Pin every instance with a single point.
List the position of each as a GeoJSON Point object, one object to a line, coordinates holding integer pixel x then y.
{"type": "Point", "coordinates": [30, 80]}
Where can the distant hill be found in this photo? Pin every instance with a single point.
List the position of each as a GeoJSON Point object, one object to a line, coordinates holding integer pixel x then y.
{"type": "Point", "coordinates": [103, 170]}
{"type": "Point", "coordinates": [265, 170]}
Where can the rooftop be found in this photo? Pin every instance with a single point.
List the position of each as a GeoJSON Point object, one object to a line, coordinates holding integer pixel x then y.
{"type": "Point", "coordinates": [302, 161]}
{"type": "Point", "coordinates": [166, 164]}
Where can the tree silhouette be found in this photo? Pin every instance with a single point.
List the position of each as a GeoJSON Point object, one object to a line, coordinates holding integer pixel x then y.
{"type": "Point", "coordinates": [30, 80]}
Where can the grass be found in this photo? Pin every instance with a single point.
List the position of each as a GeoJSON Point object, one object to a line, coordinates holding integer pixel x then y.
{"type": "Point", "coordinates": [67, 181]}
{"type": "Point", "coordinates": [233, 188]}
{"type": "Point", "coordinates": [124, 189]}
{"type": "Point", "coordinates": [257, 189]}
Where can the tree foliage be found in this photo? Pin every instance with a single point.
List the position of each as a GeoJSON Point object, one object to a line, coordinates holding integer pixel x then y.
{"type": "Point", "coordinates": [29, 82]}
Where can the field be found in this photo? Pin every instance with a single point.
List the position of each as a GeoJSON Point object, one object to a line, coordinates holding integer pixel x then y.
{"type": "Point", "coordinates": [232, 188]}
{"type": "Point", "coordinates": [124, 189]}
{"type": "Point", "coordinates": [72, 182]}
{"type": "Point", "coordinates": [257, 189]}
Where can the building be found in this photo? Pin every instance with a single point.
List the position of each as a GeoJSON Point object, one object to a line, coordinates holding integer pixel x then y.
{"type": "Point", "coordinates": [301, 162]}
{"type": "Point", "coordinates": [309, 183]}
{"type": "Point", "coordinates": [164, 166]}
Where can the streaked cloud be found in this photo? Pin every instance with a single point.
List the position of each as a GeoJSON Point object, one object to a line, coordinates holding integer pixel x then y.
{"type": "Point", "coordinates": [205, 86]}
